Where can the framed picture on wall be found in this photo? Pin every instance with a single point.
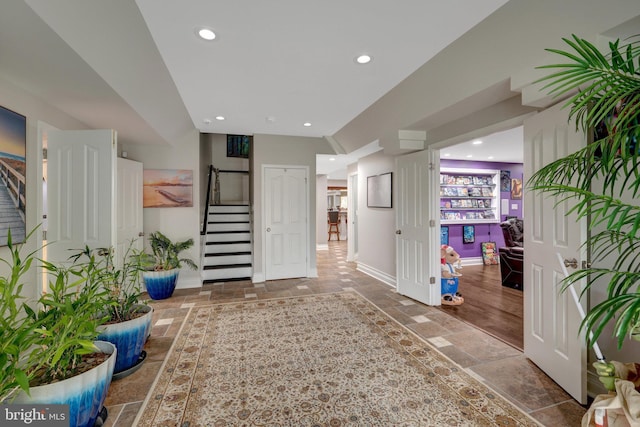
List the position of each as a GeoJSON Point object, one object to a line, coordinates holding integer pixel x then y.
{"type": "Point", "coordinates": [468, 234]}
{"type": "Point", "coordinates": [13, 162]}
{"type": "Point", "coordinates": [505, 181]}
{"type": "Point", "coordinates": [379, 190]}
{"type": "Point", "coordinates": [444, 235]}
{"type": "Point", "coordinates": [516, 188]}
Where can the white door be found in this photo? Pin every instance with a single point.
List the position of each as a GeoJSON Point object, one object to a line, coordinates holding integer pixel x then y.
{"type": "Point", "coordinates": [417, 243]}
{"type": "Point", "coordinates": [80, 191]}
{"type": "Point", "coordinates": [285, 219]}
{"type": "Point", "coordinates": [551, 319]}
{"type": "Point", "coordinates": [129, 206]}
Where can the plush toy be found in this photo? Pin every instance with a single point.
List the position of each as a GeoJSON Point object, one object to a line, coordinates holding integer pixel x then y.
{"type": "Point", "coordinates": [450, 262]}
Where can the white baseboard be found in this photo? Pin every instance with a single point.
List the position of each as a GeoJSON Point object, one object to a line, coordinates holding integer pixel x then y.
{"type": "Point", "coordinates": [257, 278]}
{"type": "Point", "coordinates": [377, 274]}
{"type": "Point", "coordinates": [188, 282]}
{"type": "Point", "coordinates": [313, 272]}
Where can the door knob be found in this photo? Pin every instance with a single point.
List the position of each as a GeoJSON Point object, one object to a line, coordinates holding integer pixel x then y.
{"type": "Point", "coordinates": [573, 263]}
{"type": "Point", "coordinates": [268, 229]}
{"type": "Point", "coordinates": [398, 231]}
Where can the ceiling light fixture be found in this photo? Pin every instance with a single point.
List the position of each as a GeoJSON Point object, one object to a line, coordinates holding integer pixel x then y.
{"type": "Point", "coordinates": [220, 118]}
{"type": "Point", "coordinates": [206, 121]}
{"type": "Point", "coordinates": [307, 124]}
{"type": "Point", "coordinates": [363, 59]}
{"type": "Point", "coordinates": [206, 33]}
{"type": "Point", "coordinates": [490, 157]}
{"type": "Point", "coordinates": [469, 156]}
{"type": "Point", "coordinates": [477, 142]}
{"type": "Point", "coordinates": [447, 154]}
{"type": "Point", "coordinates": [332, 159]}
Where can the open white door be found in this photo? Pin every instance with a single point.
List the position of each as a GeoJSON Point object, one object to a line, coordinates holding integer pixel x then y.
{"type": "Point", "coordinates": [285, 219]}
{"type": "Point", "coordinates": [551, 319]}
{"type": "Point", "coordinates": [129, 206]}
{"type": "Point", "coordinates": [81, 188]}
{"type": "Point", "coordinates": [417, 243]}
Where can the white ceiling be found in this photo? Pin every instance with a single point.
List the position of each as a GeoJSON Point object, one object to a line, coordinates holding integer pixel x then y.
{"type": "Point", "coordinates": [138, 66]}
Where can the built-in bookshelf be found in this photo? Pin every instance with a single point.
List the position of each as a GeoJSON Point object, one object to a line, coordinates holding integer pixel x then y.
{"type": "Point", "coordinates": [469, 196]}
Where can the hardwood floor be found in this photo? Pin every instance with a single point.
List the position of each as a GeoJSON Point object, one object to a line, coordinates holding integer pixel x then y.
{"type": "Point", "coordinates": [488, 305]}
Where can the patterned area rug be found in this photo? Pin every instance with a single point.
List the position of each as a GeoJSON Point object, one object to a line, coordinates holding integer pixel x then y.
{"type": "Point", "coordinates": [319, 360]}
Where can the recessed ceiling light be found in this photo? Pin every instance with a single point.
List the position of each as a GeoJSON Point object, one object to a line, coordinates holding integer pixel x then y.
{"type": "Point", "coordinates": [206, 33]}
{"type": "Point", "coordinates": [469, 156]}
{"type": "Point", "coordinates": [477, 142]}
{"type": "Point", "coordinates": [490, 157]}
{"type": "Point", "coordinates": [363, 59]}
{"type": "Point", "coordinates": [307, 124]}
{"type": "Point", "coordinates": [220, 118]}
{"type": "Point", "coordinates": [447, 154]}
{"type": "Point", "coordinates": [332, 159]}
{"type": "Point", "coordinates": [206, 121]}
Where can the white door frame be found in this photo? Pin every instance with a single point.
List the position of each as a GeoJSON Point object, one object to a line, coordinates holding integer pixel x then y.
{"type": "Point", "coordinates": [352, 215]}
{"type": "Point", "coordinates": [263, 232]}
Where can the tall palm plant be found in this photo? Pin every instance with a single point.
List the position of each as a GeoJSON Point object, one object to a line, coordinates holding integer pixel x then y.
{"type": "Point", "coordinates": [602, 180]}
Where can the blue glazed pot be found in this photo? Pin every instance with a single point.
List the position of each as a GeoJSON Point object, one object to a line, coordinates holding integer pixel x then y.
{"type": "Point", "coordinates": [160, 284]}
{"type": "Point", "coordinates": [85, 393]}
{"type": "Point", "coordinates": [128, 337]}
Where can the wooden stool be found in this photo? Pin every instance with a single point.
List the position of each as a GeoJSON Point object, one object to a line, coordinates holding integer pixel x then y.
{"type": "Point", "coordinates": [334, 224]}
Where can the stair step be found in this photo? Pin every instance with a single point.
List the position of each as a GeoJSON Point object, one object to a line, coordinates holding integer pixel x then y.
{"type": "Point", "coordinates": [227, 272]}
{"type": "Point", "coordinates": [228, 253]}
{"type": "Point", "coordinates": [228, 217]}
{"type": "Point", "coordinates": [228, 209]}
{"type": "Point", "coordinates": [213, 227]}
{"type": "Point", "coordinates": [225, 266]}
{"type": "Point", "coordinates": [231, 279]}
{"type": "Point", "coordinates": [226, 259]}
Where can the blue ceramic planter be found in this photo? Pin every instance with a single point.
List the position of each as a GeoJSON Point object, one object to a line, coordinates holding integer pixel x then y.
{"type": "Point", "coordinates": [160, 284]}
{"type": "Point", "coordinates": [85, 393]}
{"type": "Point", "coordinates": [128, 337]}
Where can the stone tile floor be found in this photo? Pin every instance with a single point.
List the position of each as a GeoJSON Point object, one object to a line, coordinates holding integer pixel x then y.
{"type": "Point", "coordinates": [499, 365]}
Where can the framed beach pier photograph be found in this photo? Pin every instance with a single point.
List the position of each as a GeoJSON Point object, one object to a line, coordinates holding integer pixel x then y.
{"type": "Point", "coordinates": [167, 188]}
{"type": "Point", "coordinates": [13, 169]}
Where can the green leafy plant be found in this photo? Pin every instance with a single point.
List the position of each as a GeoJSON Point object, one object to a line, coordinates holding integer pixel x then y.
{"type": "Point", "coordinates": [121, 281]}
{"type": "Point", "coordinates": [165, 254]}
{"type": "Point", "coordinates": [602, 181]}
{"type": "Point", "coordinates": [16, 330]}
{"type": "Point", "coordinates": [66, 322]}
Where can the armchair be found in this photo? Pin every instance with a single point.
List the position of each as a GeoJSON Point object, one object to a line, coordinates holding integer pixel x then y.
{"type": "Point", "coordinates": [512, 254]}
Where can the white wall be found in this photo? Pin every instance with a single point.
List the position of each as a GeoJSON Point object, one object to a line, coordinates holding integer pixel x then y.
{"type": "Point", "coordinates": [284, 151]}
{"type": "Point", "coordinates": [177, 223]}
{"type": "Point", "coordinates": [376, 226]}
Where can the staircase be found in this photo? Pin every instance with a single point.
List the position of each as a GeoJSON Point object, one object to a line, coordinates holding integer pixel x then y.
{"type": "Point", "coordinates": [227, 254]}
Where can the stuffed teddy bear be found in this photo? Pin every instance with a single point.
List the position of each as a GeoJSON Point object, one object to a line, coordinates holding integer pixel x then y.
{"type": "Point", "coordinates": [450, 262]}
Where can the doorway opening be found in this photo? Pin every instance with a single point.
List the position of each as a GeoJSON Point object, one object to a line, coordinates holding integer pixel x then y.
{"type": "Point", "coordinates": [481, 183]}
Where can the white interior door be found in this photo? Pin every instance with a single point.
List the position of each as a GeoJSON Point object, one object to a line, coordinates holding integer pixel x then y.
{"type": "Point", "coordinates": [417, 244]}
{"type": "Point", "coordinates": [81, 188]}
{"type": "Point", "coordinates": [129, 206]}
{"type": "Point", "coordinates": [285, 219]}
{"type": "Point", "coordinates": [551, 319]}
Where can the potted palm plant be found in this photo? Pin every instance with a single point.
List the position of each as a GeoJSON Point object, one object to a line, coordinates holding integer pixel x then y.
{"type": "Point", "coordinates": [53, 356]}
{"type": "Point", "coordinates": [602, 180]}
{"type": "Point", "coordinates": [127, 319]}
{"type": "Point", "coordinates": [163, 265]}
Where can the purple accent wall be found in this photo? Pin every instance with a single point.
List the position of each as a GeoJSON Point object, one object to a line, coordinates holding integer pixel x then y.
{"type": "Point", "coordinates": [484, 232]}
